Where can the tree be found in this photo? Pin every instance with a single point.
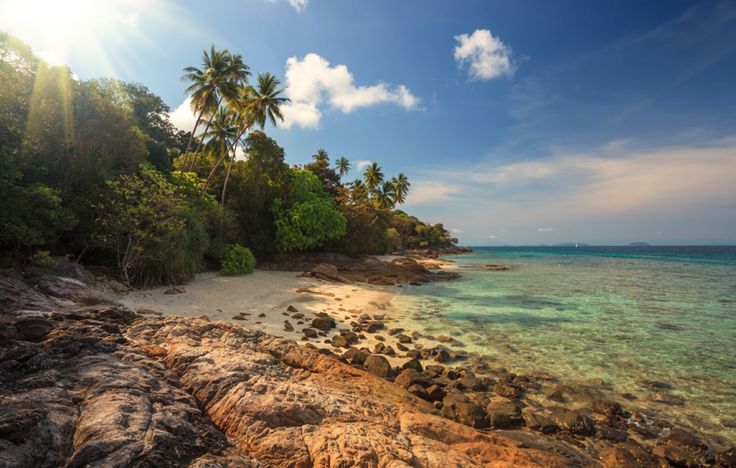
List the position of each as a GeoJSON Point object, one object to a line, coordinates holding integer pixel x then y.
{"type": "Point", "coordinates": [148, 223]}
{"type": "Point", "coordinates": [321, 156]}
{"type": "Point", "coordinates": [256, 106]}
{"type": "Point", "coordinates": [342, 165]}
{"type": "Point", "coordinates": [401, 187]}
{"type": "Point", "coordinates": [221, 76]}
{"type": "Point", "coordinates": [358, 191]}
{"type": "Point", "coordinates": [373, 177]}
{"type": "Point", "coordinates": [307, 217]}
{"type": "Point", "coordinates": [385, 196]}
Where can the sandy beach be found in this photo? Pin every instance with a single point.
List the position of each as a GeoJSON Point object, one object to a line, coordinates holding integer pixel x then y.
{"type": "Point", "coordinates": [262, 300]}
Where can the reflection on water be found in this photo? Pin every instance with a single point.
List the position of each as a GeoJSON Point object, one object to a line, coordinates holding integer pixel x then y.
{"type": "Point", "coordinates": [620, 314]}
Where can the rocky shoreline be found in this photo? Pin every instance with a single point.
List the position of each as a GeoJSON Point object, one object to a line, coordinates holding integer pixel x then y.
{"type": "Point", "coordinates": [84, 381]}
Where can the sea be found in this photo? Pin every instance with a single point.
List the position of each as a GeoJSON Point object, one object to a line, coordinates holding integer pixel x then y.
{"type": "Point", "coordinates": [624, 315]}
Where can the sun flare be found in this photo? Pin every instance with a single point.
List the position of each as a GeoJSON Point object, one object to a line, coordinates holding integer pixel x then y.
{"type": "Point", "coordinates": [84, 29]}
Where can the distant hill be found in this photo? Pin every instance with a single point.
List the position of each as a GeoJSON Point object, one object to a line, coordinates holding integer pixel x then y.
{"type": "Point", "coordinates": [640, 244]}
{"type": "Point", "coordinates": [571, 244]}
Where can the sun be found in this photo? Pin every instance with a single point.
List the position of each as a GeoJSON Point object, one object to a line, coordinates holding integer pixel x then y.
{"type": "Point", "coordinates": [83, 29]}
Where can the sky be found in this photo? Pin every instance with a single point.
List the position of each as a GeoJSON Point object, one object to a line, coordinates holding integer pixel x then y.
{"type": "Point", "coordinates": [519, 123]}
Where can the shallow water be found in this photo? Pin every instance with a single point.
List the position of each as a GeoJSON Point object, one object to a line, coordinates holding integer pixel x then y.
{"type": "Point", "coordinates": [621, 314]}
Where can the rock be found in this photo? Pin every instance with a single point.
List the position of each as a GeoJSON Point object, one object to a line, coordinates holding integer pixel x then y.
{"type": "Point", "coordinates": [175, 290]}
{"type": "Point", "coordinates": [442, 356]}
{"type": "Point", "coordinates": [603, 406]}
{"type": "Point", "coordinates": [355, 356]}
{"type": "Point", "coordinates": [33, 329]}
{"type": "Point", "coordinates": [572, 421]}
{"type": "Point", "coordinates": [612, 428]}
{"type": "Point", "coordinates": [291, 308]}
{"type": "Point", "coordinates": [116, 286]}
{"type": "Point", "coordinates": [328, 272]}
{"type": "Point", "coordinates": [403, 339]}
{"type": "Point", "coordinates": [471, 382]}
{"type": "Point", "coordinates": [539, 422]}
{"type": "Point", "coordinates": [503, 413]}
{"type": "Point", "coordinates": [340, 341]}
{"type": "Point", "coordinates": [401, 347]}
{"type": "Point", "coordinates": [435, 393]}
{"type": "Point", "coordinates": [681, 448]}
{"type": "Point", "coordinates": [507, 391]}
{"type": "Point", "coordinates": [378, 365]}
{"type": "Point", "coordinates": [297, 316]}
{"type": "Point", "coordinates": [616, 457]}
{"type": "Point", "coordinates": [470, 414]}
{"type": "Point", "coordinates": [310, 333]}
{"type": "Point", "coordinates": [373, 327]}
{"type": "Point", "coordinates": [349, 336]}
{"type": "Point", "coordinates": [413, 364]}
{"type": "Point", "coordinates": [408, 377]}
{"type": "Point", "coordinates": [324, 323]}
{"type": "Point", "coordinates": [419, 391]}
{"type": "Point", "coordinates": [288, 327]}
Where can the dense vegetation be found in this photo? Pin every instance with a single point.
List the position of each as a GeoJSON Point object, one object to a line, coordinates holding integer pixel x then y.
{"type": "Point", "coordinates": [95, 170]}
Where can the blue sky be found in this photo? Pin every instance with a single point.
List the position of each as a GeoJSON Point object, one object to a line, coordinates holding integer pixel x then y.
{"type": "Point", "coordinates": [517, 122]}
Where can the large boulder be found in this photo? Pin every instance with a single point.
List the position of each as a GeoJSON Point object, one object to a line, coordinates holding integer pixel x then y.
{"type": "Point", "coordinates": [378, 365]}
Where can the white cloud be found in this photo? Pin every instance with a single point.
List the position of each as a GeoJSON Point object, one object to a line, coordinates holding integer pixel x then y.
{"type": "Point", "coordinates": [487, 56]}
{"type": "Point", "coordinates": [362, 164]}
{"type": "Point", "coordinates": [456, 230]}
{"type": "Point", "coordinates": [298, 5]}
{"type": "Point", "coordinates": [430, 191]}
{"type": "Point", "coordinates": [312, 81]}
{"type": "Point", "coordinates": [546, 229]}
{"type": "Point", "coordinates": [491, 236]}
{"type": "Point", "coordinates": [182, 117]}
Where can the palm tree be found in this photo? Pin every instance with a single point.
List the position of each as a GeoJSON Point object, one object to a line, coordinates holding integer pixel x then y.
{"type": "Point", "coordinates": [342, 165]}
{"type": "Point", "coordinates": [358, 191]}
{"type": "Point", "coordinates": [401, 187]}
{"type": "Point", "coordinates": [386, 196]}
{"type": "Point", "coordinates": [257, 106]}
{"type": "Point", "coordinates": [221, 135]}
{"type": "Point", "coordinates": [321, 156]}
{"type": "Point", "coordinates": [373, 177]}
{"type": "Point", "coordinates": [219, 78]}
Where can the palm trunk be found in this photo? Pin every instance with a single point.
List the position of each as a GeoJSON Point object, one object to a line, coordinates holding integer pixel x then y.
{"type": "Point", "coordinates": [194, 130]}
{"type": "Point", "coordinates": [231, 148]}
{"type": "Point", "coordinates": [227, 177]}
{"type": "Point", "coordinates": [201, 141]}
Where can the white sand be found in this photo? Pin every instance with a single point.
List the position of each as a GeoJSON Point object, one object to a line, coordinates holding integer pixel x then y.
{"type": "Point", "coordinates": [270, 293]}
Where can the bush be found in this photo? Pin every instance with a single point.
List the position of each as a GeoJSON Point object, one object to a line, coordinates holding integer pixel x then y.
{"type": "Point", "coordinates": [238, 260]}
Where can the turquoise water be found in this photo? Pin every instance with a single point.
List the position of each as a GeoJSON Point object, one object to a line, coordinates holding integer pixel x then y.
{"type": "Point", "coordinates": [621, 314]}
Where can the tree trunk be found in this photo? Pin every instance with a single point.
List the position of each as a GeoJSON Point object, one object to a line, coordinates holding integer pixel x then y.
{"type": "Point", "coordinates": [201, 140]}
{"type": "Point", "coordinates": [194, 130]}
{"type": "Point", "coordinates": [227, 177]}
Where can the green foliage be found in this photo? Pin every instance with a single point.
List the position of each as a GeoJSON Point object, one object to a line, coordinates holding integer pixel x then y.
{"type": "Point", "coordinates": [155, 233]}
{"type": "Point", "coordinates": [308, 218]}
{"type": "Point", "coordinates": [366, 228]}
{"type": "Point", "coordinates": [393, 239]}
{"type": "Point", "coordinates": [416, 234]}
{"type": "Point", "coordinates": [237, 260]}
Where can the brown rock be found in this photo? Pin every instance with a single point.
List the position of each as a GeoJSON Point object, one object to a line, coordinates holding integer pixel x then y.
{"type": "Point", "coordinates": [681, 448]}
{"type": "Point", "coordinates": [507, 391]}
{"type": "Point", "coordinates": [323, 322]}
{"type": "Point", "coordinates": [288, 327]}
{"type": "Point", "coordinates": [413, 364]}
{"type": "Point", "coordinates": [503, 413]}
{"type": "Point", "coordinates": [175, 290]}
{"type": "Point", "coordinates": [572, 421]}
{"type": "Point", "coordinates": [616, 457]}
{"type": "Point", "coordinates": [310, 333]}
{"type": "Point", "coordinates": [291, 308]}
{"type": "Point", "coordinates": [378, 365]}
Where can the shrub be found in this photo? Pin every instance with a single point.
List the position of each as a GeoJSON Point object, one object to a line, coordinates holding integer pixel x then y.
{"type": "Point", "coordinates": [238, 260]}
{"type": "Point", "coordinates": [152, 228]}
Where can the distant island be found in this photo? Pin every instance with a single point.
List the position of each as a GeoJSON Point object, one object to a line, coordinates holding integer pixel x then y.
{"type": "Point", "coordinates": [640, 244]}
